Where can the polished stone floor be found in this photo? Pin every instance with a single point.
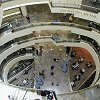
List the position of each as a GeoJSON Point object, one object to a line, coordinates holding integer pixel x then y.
{"type": "Point", "coordinates": [60, 79]}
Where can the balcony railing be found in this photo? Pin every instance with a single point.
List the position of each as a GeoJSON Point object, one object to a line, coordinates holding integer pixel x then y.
{"type": "Point", "coordinates": [76, 6]}
{"type": "Point", "coordinates": [88, 40]}
{"type": "Point", "coordinates": [13, 74]}
{"type": "Point", "coordinates": [52, 23]}
{"type": "Point", "coordinates": [62, 40]}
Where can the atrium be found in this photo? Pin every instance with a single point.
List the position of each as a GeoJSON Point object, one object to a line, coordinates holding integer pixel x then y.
{"type": "Point", "coordinates": [50, 49]}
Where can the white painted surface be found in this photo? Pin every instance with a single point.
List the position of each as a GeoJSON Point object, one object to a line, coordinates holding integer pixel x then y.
{"type": "Point", "coordinates": [18, 94]}
{"type": "Point", "coordinates": [77, 13]}
{"type": "Point", "coordinates": [19, 3]}
{"type": "Point", "coordinates": [1, 14]}
{"type": "Point", "coordinates": [67, 1]}
{"type": "Point", "coordinates": [24, 10]}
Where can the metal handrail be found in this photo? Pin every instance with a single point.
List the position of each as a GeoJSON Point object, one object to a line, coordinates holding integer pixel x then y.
{"type": "Point", "coordinates": [52, 23]}
{"type": "Point", "coordinates": [75, 6]}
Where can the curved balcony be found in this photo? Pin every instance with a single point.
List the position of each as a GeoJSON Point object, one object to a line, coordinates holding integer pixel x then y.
{"type": "Point", "coordinates": [9, 4]}
{"type": "Point", "coordinates": [78, 13]}
{"type": "Point", "coordinates": [89, 40]}
{"type": "Point", "coordinates": [28, 29]}
{"type": "Point", "coordinates": [83, 38]}
{"type": "Point", "coordinates": [56, 44]}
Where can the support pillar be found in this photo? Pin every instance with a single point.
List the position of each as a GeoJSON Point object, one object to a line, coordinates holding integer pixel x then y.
{"type": "Point", "coordinates": [23, 11]}
{"type": "Point", "coordinates": [1, 15]}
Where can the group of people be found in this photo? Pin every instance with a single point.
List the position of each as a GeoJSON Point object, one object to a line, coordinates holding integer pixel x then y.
{"type": "Point", "coordinates": [38, 52]}
{"type": "Point", "coordinates": [76, 64]}
{"type": "Point", "coordinates": [76, 78]}
{"type": "Point", "coordinates": [39, 80]}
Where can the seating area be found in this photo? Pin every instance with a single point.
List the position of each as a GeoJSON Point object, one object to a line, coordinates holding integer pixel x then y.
{"type": "Point", "coordinates": [82, 66]}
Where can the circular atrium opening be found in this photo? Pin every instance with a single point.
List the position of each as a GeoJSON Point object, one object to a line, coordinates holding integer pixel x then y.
{"type": "Point", "coordinates": [51, 67]}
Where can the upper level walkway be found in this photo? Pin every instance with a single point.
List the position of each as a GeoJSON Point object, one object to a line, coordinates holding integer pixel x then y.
{"type": "Point", "coordinates": [79, 13]}
{"type": "Point", "coordinates": [28, 29]}
{"type": "Point", "coordinates": [83, 13]}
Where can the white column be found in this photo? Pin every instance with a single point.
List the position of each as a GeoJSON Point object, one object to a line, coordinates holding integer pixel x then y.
{"type": "Point", "coordinates": [1, 15]}
{"type": "Point", "coordinates": [23, 10]}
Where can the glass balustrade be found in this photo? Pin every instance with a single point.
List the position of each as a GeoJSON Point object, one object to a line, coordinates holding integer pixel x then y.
{"type": "Point", "coordinates": [20, 68]}
{"type": "Point", "coordinates": [27, 25]}
{"type": "Point", "coordinates": [76, 6]}
{"type": "Point", "coordinates": [53, 24]}
{"type": "Point", "coordinates": [12, 56]}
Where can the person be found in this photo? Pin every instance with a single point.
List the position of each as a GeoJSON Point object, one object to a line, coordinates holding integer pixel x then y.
{"type": "Point", "coordinates": [57, 84]}
{"type": "Point", "coordinates": [64, 15]}
{"type": "Point", "coordinates": [10, 98]}
{"type": "Point", "coordinates": [33, 48]}
{"type": "Point", "coordinates": [37, 52]}
{"type": "Point", "coordinates": [73, 54]}
{"type": "Point", "coordinates": [52, 83]}
{"type": "Point", "coordinates": [52, 73]}
{"type": "Point", "coordinates": [72, 84]}
{"type": "Point", "coordinates": [28, 18]}
{"type": "Point", "coordinates": [71, 18]}
{"type": "Point", "coordinates": [77, 77]}
{"type": "Point", "coordinates": [81, 59]}
{"type": "Point", "coordinates": [25, 72]}
{"type": "Point", "coordinates": [25, 81]}
{"type": "Point", "coordinates": [89, 65]}
{"type": "Point", "coordinates": [56, 60]}
{"type": "Point", "coordinates": [52, 67]}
